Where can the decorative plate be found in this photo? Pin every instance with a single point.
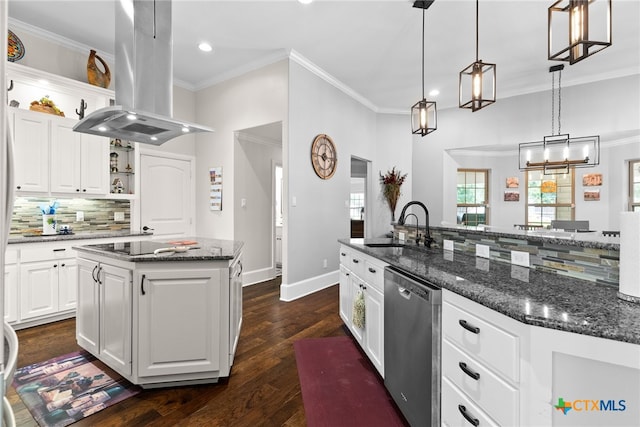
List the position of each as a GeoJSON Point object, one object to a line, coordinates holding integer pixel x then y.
{"type": "Point", "coordinates": [15, 49]}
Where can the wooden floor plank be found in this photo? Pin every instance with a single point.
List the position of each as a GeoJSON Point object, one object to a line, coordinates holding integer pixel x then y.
{"type": "Point", "coordinates": [263, 389]}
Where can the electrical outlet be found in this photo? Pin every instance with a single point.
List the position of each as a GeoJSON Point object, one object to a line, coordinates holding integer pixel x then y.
{"type": "Point", "coordinates": [401, 236]}
{"type": "Point", "coordinates": [243, 203]}
{"type": "Point", "coordinates": [118, 216]}
{"type": "Point", "coordinates": [520, 258]}
{"type": "Point", "coordinates": [79, 216]}
{"type": "Point", "coordinates": [324, 263]}
{"type": "Point", "coordinates": [483, 251]}
{"type": "Point", "coordinates": [447, 245]}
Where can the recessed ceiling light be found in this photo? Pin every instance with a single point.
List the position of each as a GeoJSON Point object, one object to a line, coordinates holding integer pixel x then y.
{"type": "Point", "coordinates": [185, 129]}
{"type": "Point", "coordinates": [434, 92]}
{"type": "Point", "coordinates": [102, 128]}
{"type": "Point", "coordinates": [305, 1]}
{"type": "Point", "coordinates": [205, 47]}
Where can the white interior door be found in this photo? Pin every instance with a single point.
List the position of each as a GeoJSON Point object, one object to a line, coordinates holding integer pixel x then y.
{"type": "Point", "coordinates": [167, 193]}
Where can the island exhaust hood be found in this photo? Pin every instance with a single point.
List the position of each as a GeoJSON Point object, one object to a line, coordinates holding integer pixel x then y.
{"type": "Point", "coordinates": [143, 78]}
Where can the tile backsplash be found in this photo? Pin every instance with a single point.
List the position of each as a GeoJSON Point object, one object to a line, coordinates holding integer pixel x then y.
{"type": "Point", "coordinates": [98, 214]}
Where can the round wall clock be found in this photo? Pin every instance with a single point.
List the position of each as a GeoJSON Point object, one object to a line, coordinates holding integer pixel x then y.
{"type": "Point", "coordinates": [324, 156]}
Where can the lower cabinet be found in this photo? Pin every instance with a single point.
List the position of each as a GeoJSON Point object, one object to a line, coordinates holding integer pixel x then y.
{"type": "Point", "coordinates": [371, 336]}
{"type": "Point", "coordinates": [103, 319]}
{"type": "Point", "coordinates": [179, 328]}
{"type": "Point", "coordinates": [10, 287]}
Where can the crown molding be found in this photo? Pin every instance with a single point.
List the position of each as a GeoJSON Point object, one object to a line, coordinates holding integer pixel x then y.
{"type": "Point", "coordinates": [247, 137]}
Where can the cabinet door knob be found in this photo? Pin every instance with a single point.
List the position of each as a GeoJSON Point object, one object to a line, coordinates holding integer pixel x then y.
{"type": "Point", "coordinates": [61, 265]}
{"type": "Point", "coordinates": [468, 327]}
{"type": "Point", "coordinates": [472, 374]}
{"type": "Point", "coordinates": [18, 187]}
{"type": "Point", "coordinates": [55, 265]}
{"type": "Point", "coordinates": [78, 190]}
{"type": "Point", "coordinates": [84, 190]}
{"type": "Point", "coordinates": [472, 421]}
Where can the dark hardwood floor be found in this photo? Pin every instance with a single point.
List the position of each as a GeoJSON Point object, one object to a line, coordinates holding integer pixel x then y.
{"type": "Point", "coordinates": [262, 390]}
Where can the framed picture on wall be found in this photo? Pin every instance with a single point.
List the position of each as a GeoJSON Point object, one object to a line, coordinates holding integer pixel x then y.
{"type": "Point", "coordinates": [513, 182]}
{"type": "Point", "coordinates": [591, 195]}
{"type": "Point", "coordinates": [591, 179]}
{"type": "Point", "coordinates": [215, 191]}
{"type": "Point", "coordinates": [511, 196]}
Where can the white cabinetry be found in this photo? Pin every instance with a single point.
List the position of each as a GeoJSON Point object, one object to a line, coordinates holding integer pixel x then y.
{"type": "Point", "coordinates": [480, 363]}
{"type": "Point", "coordinates": [78, 161]}
{"type": "Point", "coordinates": [235, 306]}
{"type": "Point", "coordinates": [103, 320]}
{"type": "Point", "coordinates": [31, 143]}
{"type": "Point", "coordinates": [47, 281]}
{"type": "Point", "coordinates": [362, 273]}
{"type": "Point", "coordinates": [10, 286]}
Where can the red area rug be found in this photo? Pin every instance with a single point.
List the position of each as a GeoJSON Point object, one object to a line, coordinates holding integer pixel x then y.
{"type": "Point", "coordinates": [340, 386]}
{"type": "Point", "coordinates": [65, 389]}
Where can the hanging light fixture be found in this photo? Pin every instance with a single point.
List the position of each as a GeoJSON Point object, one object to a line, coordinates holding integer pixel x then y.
{"type": "Point", "coordinates": [558, 152]}
{"type": "Point", "coordinates": [478, 80]}
{"type": "Point", "coordinates": [424, 116]}
{"type": "Point", "coordinates": [578, 25]}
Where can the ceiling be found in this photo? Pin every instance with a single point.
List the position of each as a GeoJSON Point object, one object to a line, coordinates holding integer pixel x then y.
{"type": "Point", "coordinates": [371, 48]}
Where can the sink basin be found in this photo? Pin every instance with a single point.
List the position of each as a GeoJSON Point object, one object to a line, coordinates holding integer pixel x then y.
{"type": "Point", "coordinates": [384, 245]}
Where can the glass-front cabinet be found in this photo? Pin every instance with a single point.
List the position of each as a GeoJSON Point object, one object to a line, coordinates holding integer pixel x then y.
{"type": "Point", "coordinates": [122, 167]}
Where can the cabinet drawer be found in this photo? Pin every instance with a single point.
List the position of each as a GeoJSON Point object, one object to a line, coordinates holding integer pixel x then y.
{"type": "Point", "coordinates": [374, 273]}
{"type": "Point", "coordinates": [355, 263]}
{"type": "Point", "coordinates": [494, 396]}
{"type": "Point", "coordinates": [52, 252]}
{"type": "Point", "coordinates": [495, 347]}
{"type": "Point", "coordinates": [454, 402]}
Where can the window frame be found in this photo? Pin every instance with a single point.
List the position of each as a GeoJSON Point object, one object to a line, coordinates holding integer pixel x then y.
{"type": "Point", "coordinates": [630, 203]}
{"type": "Point", "coordinates": [571, 205]}
{"type": "Point", "coordinates": [484, 205]}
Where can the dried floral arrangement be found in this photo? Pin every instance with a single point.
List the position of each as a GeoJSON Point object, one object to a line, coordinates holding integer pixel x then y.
{"type": "Point", "coordinates": [391, 183]}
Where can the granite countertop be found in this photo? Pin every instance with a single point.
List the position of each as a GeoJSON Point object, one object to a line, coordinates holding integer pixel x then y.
{"type": "Point", "coordinates": [529, 296]}
{"type": "Point", "coordinates": [74, 236]}
{"type": "Point", "coordinates": [204, 250]}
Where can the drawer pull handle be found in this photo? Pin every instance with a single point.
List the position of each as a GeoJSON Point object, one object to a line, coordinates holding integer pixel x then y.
{"type": "Point", "coordinates": [343, 254]}
{"type": "Point", "coordinates": [474, 375]}
{"type": "Point", "coordinates": [356, 260]}
{"type": "Point", "coordinates": [142, 285]}
{"type": "Point", "coordinates": [372, 270]}
{"type": "Point", "coordinates": [468, 327]}
{"type": "Point", "coordinates": [59, 250]}
{"type": "Point", "coordinates": [472, 421]}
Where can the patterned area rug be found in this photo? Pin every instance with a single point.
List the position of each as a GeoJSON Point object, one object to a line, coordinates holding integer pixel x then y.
{"type": "Point", "coordinates": [340, 386]}
{"type": "Point", "coordinates": [65, 389]}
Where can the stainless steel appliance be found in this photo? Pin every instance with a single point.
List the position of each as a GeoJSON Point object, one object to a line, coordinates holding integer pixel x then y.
{"type": "Point", "coordinates": [412, 323]}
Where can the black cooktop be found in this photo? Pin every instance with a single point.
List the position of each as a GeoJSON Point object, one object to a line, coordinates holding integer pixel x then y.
{"type": "Point", "coordinates": [133, 248]}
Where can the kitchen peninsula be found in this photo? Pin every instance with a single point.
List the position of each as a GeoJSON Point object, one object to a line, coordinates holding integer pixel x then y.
{"type": "Point", "coordinates": [519, 342]}
{"type": "Point", "coordinates": [161, 318]}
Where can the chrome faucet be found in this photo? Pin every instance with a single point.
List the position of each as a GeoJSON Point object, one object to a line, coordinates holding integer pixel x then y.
{"type": "Point", "coordinates": [427, 238]}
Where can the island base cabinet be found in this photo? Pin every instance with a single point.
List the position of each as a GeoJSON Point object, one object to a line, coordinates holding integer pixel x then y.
{"type": "Point", "coordinates": [103, 319]}
{"type": "Point", "coordinates": [179, 329]}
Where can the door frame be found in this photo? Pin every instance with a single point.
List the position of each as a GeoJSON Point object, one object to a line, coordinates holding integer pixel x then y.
{"type": "Point", "coordinates": [137, 202]}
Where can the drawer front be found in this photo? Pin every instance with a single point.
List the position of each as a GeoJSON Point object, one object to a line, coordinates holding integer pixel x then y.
{"type": "Point", "coordinates": [491, 345]}
{"type": "Point", "coordinates": [344, 256]}
{"type": "Point", "coordinates": [355, 262]}
{"type": "Point", "coordinates": [493, 395]}
{"type": "Point", "coordinates": [374, 273]}
{"type": "Point", "coordinates": [42, 254]}
{"type": "Point", "coordinates": [454, 403]}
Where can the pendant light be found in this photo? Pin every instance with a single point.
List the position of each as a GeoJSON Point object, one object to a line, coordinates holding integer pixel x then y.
{"type": "Point", "coordinates": [558, 152]}
{"type": "Point", "coordinates": [478, 80]}
{"type": "Point", "coordinates": [575, 26]}
{"type": "Point", "coordinates": [424, 116]}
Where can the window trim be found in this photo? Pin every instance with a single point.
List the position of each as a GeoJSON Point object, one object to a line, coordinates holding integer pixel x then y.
{"type": "Point", "coordinates": [630, 202]}
{"type": "Point", "coordinates": [484, 205]}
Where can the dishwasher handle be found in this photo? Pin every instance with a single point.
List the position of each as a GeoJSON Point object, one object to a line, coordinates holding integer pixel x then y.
{"type": "Point", "coordinates": [404, 293]}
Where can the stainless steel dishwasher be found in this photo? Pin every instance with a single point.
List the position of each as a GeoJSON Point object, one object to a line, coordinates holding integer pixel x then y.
{"type": "Point", "coordinates": [412, 321]}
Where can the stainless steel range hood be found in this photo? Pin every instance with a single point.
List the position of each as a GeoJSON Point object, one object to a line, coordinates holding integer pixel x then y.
{"type": "Point", "coordinates": [143, 78]}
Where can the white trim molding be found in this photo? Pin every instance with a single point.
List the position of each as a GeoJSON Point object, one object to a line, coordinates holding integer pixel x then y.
{"type": "Point", "coordinates": [293, 291]}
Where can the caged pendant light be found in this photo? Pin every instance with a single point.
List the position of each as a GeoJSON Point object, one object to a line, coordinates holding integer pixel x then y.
{"type": "Point", "coordinates": [478, 81]}
{"type": "Point", "coordinates": [558, 152]}
{"type": "Point", "coordinates": [424, 116]}
{"type": "Point", "coordinates": [578, 29]}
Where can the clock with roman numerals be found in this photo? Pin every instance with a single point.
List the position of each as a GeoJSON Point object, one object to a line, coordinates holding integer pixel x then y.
{"type": "Point", "coordinates": [324, 156]}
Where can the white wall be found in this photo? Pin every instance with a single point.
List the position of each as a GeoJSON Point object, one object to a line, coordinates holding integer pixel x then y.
{"type": "Point", "coordinates": [609, 108]}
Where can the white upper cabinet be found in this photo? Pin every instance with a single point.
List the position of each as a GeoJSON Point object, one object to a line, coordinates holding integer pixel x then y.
{"type": "Point", "coordinates": [31, 154]}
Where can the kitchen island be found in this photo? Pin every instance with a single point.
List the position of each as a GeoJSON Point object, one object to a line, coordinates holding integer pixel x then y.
{"type": "Point", "coordinates": [532, 342]}
{"type": "Point", "coordinates": [161, 318]}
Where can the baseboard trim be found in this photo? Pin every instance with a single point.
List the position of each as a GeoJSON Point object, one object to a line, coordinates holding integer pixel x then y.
{"type": "Point", "coordinates": [293, 291]}
{"type": "Point", "coordinates": [258, 276]}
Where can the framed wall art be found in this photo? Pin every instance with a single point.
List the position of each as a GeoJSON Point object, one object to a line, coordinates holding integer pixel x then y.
{"type": "Point", "coordinates": [215, 191]}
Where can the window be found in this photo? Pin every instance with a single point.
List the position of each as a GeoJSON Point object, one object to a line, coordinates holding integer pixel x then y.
{"type": "Point", "coordinates": [549, 197]}
{"type": "Point", "coordinates": [473, 194]}
{"type": "Point", "coordinates": [356, 206]}
{"type": "Point", "coordinates": [634, 185]}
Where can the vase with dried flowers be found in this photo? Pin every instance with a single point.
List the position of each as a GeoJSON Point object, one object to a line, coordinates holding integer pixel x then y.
{"type": "Point", "coordinates": [391, 183]}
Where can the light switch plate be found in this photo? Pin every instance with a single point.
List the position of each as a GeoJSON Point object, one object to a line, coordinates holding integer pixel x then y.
{"type": "Point", "coordinates": [483, 251]}
{"type": "Point", "coordinates": [118, 216]}
{"type": "Point", "coordinates": [447, 245]}
{"type": "Point", "coordinates": [401, 236]}
{"type": "Point", "coordinates": [79, 216]}
{"type": "Point", "coordinates": [520, 258]}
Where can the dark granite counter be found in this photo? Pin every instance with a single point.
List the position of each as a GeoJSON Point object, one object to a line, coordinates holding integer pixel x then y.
{"type": "Point", "coordinates": [78, 236]}
{"type": "Point", "coordinates": [527, 295]}
{"type": "Point", "coordinates": [203, 250]}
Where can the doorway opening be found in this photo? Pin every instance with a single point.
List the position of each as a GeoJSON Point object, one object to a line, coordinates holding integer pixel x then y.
{"type": "Point", "coordinates": [358, 197]}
